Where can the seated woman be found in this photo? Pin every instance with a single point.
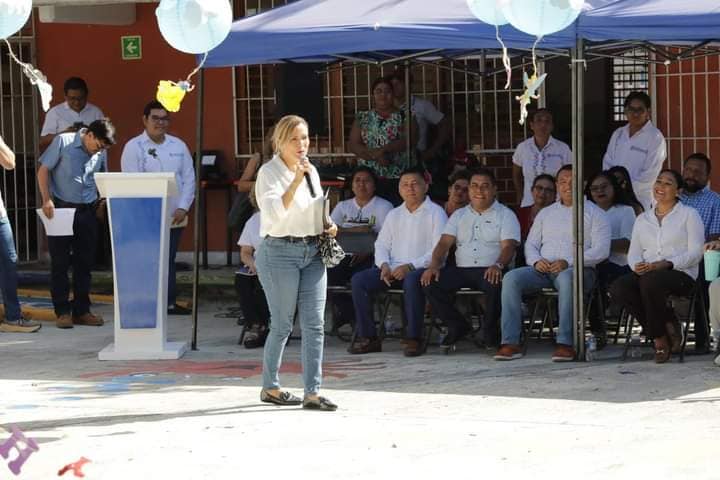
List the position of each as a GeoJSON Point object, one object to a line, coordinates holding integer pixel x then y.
{"type": "Point", "coordinates": [252, 298]}
{"type": "Point", "coordinates": [665, 250]}
{"type": "Point", "coordinates": [623, 178]}
{"type": "Point", "coordinates": [365, 212]}
{"type": "Point", "coordinates": [379, 139]}
{"type": "Point", "coordinates": [603, 190]}
{"type": "Point", "coordinates": [543, 194]}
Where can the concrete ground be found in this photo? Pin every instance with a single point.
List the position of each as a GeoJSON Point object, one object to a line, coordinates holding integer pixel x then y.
{"type": "Point", "coordinates": [434, 416]}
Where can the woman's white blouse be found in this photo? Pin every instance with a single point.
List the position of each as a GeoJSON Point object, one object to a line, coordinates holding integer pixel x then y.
{"type": "Point", "coordinates": [679, 239]}
{"type": "Point", "coordinates": [304, 216]}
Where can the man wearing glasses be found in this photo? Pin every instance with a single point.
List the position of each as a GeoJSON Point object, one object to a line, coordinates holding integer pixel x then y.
{"type": "Point", "coordinates": [638, 146]}
{"type": "Point", "coordinates": [69, 115]}
{"type": "Point", "coordinates": [156, 151]}
{"type": "Point", "coordinates": [66, 179]}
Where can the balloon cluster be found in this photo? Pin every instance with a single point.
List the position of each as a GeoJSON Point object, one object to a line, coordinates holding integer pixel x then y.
{"type": "Point", "coordinates": [535, 17]}
{"type": "Point", "coordinates": [14, 14]}
{"type": "Point", "coordinates": [191, 26]}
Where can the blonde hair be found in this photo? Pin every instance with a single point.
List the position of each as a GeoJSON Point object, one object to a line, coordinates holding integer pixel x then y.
{"type": "Point", "coordinates": [284, 129]}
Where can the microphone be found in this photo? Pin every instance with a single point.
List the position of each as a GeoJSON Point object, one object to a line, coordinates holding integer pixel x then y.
{"type": "Point", "coordinates": [307, 179]}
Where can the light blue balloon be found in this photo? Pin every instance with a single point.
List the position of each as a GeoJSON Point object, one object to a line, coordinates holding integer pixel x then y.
{"type": "Point", "coordinates": [542, 17]}
{"type": "Point", "coordinates": [14, 14]}
{"type": "Point", "coordinates": [488, 11]}
{"type": "Point", "coordinates": [194, 26]}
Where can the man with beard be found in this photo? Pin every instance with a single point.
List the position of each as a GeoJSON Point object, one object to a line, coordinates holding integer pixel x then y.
{"type": "Point", "coordinates": [699, 196]}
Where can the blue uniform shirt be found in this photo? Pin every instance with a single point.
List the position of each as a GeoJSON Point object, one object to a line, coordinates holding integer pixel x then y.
{"type": "Point", "coordinates": [72, 168]}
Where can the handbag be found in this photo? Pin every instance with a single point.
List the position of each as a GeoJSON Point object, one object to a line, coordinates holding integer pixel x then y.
{"type": "Point", "coordinates": [330, 251]}
{"type": "Point", "coordinates": [240, 212]}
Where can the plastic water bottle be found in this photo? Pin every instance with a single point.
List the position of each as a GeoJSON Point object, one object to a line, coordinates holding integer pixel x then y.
{"type": "Point", "coordinates": [635, 347]}
{"type": "Point", "coordinates": [389, 325]}
{"type": "Point", "coordinates": [590, 347]}
{"type": "Point", "coordinates": [442, 334]}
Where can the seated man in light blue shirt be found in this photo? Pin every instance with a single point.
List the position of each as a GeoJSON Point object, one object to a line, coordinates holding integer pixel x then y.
{"type": "Point", "coordinates": [549, 254]}
{"type": "Point", "coordinates": [66, 179]}
{"type": "Point", "coordinates": [486, 234]}
{"type": "Point", "coordinates": [156, 151]}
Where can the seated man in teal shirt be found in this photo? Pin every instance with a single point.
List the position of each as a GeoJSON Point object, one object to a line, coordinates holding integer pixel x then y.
{"type": "Point", "coordinates": [66, 179]}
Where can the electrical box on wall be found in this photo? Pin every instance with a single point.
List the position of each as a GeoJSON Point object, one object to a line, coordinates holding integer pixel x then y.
{"type": "Point", "coordinates": [118, 14]}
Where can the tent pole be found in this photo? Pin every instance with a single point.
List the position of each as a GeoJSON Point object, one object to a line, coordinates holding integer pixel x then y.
{"type": "Point", "coordinates": [200, 86]}
{"type": "Point", "coordinates": [408, 116]}
{"type": "Point", "coordinates": [578, 71]}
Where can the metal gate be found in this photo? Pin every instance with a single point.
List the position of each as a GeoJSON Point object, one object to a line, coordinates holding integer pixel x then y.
{"type": "Point", "coordinates": [19, 129]}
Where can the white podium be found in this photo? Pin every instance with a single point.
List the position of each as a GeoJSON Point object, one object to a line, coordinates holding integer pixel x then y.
{"type": "Point", "coordinates": [139, 228]}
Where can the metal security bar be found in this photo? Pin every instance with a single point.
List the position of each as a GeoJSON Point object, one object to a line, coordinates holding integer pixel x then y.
{"type": "Point", "coordinates": [630, 73]}
{"type": "Point", "coordinates": [19, 129]}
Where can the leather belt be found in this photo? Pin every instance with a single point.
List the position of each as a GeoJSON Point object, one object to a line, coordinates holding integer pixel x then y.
{"type": "Point", "coordinates": [291, 239]}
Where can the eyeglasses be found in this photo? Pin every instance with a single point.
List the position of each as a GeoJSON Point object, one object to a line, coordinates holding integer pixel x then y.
{"type": "Point", "coordinates": [637, 110]}
{"type": "Point", "coordinates": [156, 119]}
{"type": "Point", "coordinates": [540, 189]}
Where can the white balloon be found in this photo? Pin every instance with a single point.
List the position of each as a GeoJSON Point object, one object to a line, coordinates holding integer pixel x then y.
{"type": "Point", "coordinates": [488, 11]}
{"type": "Point", "coordinates": [542, 17]}
{"type": "Point", "coordinates": [194, 26]}
{"type": "Point", "coordinates": [14, 14]}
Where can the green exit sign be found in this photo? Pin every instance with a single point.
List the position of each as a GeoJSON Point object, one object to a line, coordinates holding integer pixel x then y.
{"type": "Point", "coordinates": [131, 47]}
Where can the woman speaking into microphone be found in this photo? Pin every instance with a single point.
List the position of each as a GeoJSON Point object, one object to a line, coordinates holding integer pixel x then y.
{"type": "Point", "coordinates": [288, 261]}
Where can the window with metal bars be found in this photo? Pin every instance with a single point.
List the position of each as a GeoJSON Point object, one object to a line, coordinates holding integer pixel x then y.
{"type": "Point", "coordinates": [630, 74]}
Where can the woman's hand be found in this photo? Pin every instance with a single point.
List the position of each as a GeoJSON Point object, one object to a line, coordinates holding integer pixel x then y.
{"type": "Point", "coordinates": [302, 167]}
{"type": "Point", "coordinates": [331, 230]}
{"type": "Point", "coordinates": [714, 245]}
{"type": "Point", "coordinates": [251, 267]}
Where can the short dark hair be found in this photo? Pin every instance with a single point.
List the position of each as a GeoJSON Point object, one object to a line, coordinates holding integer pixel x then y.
{"type": "Point", "coordinates": [678, 178]}
{"type": "Point", "coordinates": [378, 81]}
{"type": "Point", "coordinates": [642, 96]}
{"type": "Point", "coordinates": [399, 74]}
{"type": "Point", "coordinates": [463, 174]}
{"type": "Point", "coordinates": [543, 176]}
{"type": "Point", "coordinates": [619, 195]}
{"type": "Point", "coordinates": [368, 170]}
{"type": "Point", "coordinates": [567, 166]}
{"type": "Point", "coordinates": [103, 130]}
{"type": "Point", "coordinates": [154, 105]}
{"type": "Point", "coordinates": [484, 172]}
{"type": "Point", "coordinates": [700, 157]}
{"type": "Point", "coordinates": [414, 171]}
{"type": "Point", "coordinates": [539, 111]}
{"type": "Point", "coordinates": [75, 83]}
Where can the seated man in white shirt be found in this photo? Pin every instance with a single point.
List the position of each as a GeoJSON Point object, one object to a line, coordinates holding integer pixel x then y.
{"type": "Point", "coordinates": [549, 252]}
{"type": "Point", "coordinates": [155, 150]}
{"type": "Point", "coordinates": [365, 212]}
{"type": "Point", "coordinates": [71, 115]}
{"type": "Point", "coordinates": [402, 251]}
{"type": "Point", "coordinates": [486, 234]}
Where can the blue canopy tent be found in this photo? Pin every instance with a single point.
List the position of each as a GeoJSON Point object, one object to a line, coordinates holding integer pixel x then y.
{"type": "Point", "coordinates": [387, 31]}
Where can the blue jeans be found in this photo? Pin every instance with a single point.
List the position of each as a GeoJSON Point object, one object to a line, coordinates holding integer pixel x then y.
{"type": "Point", "coordinates": [8, 270]}
{"type": "Point", "coordinates": [294, 278]}
{"type": "Point", "coordinates": [367, 282]}
{"type": "Point", "coordinates": [526, 281]}
{"type": "Point", "coordinates": [175, 234]}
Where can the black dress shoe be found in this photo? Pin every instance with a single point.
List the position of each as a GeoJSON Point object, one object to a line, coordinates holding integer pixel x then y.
{"type": "Point", "coordinates": [455, 333]}
{"type": "Point", "coordinates": [178, 310]}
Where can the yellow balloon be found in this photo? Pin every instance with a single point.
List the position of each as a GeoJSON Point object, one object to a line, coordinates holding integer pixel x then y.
{"type": "Point", "coordinates": [170, 95]}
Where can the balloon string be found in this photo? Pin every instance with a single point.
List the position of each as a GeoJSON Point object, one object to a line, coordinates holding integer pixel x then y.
{"type": "Point", "coordinates": [12, 55]}
{"type": "Point", "coordinates": [197, 69]}
{"type": "Point", "coordinates": [505, 57]}
{"type": "Point", "coordinates": [534, 55]}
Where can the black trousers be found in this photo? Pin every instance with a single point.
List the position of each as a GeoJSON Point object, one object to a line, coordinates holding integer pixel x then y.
{"type": "Point", "coordinates": [441, 295]}
{"type": "Point", "coordinates": [252, 300]}
{"type": "Point", "coordinates": [76, 250]}
{"type": "Point", "coordinates": [645, 297]}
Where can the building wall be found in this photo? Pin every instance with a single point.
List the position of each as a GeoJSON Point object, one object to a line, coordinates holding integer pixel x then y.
{"type": "Point", "coordinates": [688, 109]}
{"type": "Point", "coordinates": [122, 88]}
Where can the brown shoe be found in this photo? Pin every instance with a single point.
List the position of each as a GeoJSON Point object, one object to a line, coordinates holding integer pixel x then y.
{"type": "Point", "coordinates": [365, 345]}
{"type": "Point", "coordinates": [674, 331]}
{"type": "Point", "coordinates": [413, 347]}
{"type": "Point", "coordinates": [64, 321]}
{"type": "Point", "coordinates": [563, 353]}
{"type": "Point", "coordinates": [662, 350]}
{"type": "Point", "coordinates": [88, 319]}
{"type": "Point", "coordinates": [508, 352]}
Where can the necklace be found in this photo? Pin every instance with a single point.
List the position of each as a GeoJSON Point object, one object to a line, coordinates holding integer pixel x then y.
{"type": "Point", "coordinates": [662, 214]}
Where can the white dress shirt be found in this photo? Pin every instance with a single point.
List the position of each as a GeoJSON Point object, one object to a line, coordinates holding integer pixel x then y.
{"type": "Point", "coordinates": [250, 236]}
{"type": "Point", "coordinates": [551, 235]}
{"type": "Point", "coordinates": [409, 237]}
{"type": "Point", "coordinates": [679, 239]}
{"type": "Point", "coordinates": [304, 216]}
{"type": "Point", "coordinates": [425, 114]}
{"type": "Point", "coordinates": [141, 154]}
{"type": "Point", "coordinates": [622, 219]}
{"type": "Point", "coordinates": [642, 154]}
{"type": "Point", "coordinates": [534, 162]}
{"type": "Point", "coordinates": [61, 117]}
{"type": "Point", "coordinates": [348, 213]}
{"type": "Point", "coordinates": [478, 235]}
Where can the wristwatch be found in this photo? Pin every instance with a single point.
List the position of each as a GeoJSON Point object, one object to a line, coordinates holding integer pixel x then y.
{"type": "Point", "coordinates": [500, 266]}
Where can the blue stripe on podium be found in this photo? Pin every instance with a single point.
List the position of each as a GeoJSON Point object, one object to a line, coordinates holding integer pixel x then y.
{"type": "Point", "coordinates": [136, 235]}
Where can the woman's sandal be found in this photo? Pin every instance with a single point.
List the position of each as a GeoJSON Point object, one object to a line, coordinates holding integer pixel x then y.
{"type": "Point", "coordinates": [662, 351]}
{"type": "Point", "coordinates": [283, 398]}
{"type": "Point", "coordinates": [320, 403]}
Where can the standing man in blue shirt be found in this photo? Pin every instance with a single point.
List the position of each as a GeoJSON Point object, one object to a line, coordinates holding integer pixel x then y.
{"type": "Point", "coordinates": [66, 179]}
{"type": "Point", "coordinates": [156, 151]}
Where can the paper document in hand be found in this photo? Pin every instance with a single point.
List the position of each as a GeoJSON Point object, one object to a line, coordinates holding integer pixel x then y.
{"type": "Point", "coordinates": [61, 224]}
